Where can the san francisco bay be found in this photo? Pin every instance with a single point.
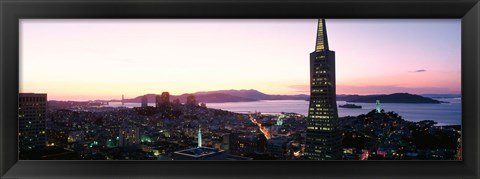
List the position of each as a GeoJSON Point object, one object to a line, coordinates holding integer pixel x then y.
{"type": "Point", "coordinates": [444, 113]}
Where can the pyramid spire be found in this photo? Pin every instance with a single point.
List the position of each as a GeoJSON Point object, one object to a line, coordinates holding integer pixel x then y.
{"type": "Point", "coordinates": [322, 41]}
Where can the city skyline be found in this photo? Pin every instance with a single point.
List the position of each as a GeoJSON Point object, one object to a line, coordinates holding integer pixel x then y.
{"type": "Point", "coordinates": [113, 57]}
{"type": "Point", "coordinates": [185, 128]}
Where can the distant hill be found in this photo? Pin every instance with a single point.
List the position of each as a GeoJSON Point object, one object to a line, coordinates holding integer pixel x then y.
{"type": "Point", "coordinates": [222, 96]}
{"type": "Point", "coordinates": [205, 98]}
{"type": "Point", "coordinates": [214, 97]}
{"type": "Point", "coordinates": [251, 94]}
{"type": "Point", "coordinates": [347, 97]}
{"type": "Point", "coordinates": [442, 95]}
{"type": "Point", "coordinates": [257, 95]}
{"type": "Point", "coordinates": [391, 98]}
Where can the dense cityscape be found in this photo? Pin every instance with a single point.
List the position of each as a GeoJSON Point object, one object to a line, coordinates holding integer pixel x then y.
{"type": "Point", "coordinates": [190, 130]}
{"type": "Point", "coordinates": [91, 131]}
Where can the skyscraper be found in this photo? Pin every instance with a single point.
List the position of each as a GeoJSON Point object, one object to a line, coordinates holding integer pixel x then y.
{"type": "Point", "coordinates": [129, 137]}
{"type": "Point", "coordinates": [191, 101]}
{"type": "Point", "coordinates": [32, 109]}
{"type": "Point", "coordinates": [163, 100]}
{"type": "Point", "coordinates": [144, 101]}
{"type": "Point", "coordinates": [323, 139]}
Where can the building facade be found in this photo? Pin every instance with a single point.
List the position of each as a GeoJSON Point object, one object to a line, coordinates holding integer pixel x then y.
{"type": "Point", "coordinates": [191, 101]}
{"type": "Point", "coordinates": [32, 111]}
{"type": "Point", "coordinates": [323, 139]}
{"type": "Point", "coordinates": [129, 137]}
{"type": "Point", "coordinates": [144, 101]}
{"type": "Point", "coordinates": [244, 143]}
{"type": "Point", "coordinates": [277, 147]}
{"type": "Point", "coordinates": [163, 100]}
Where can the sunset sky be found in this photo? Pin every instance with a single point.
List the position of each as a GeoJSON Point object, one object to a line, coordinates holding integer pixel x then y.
{"type": "Point", "coordinates": [103, 59]}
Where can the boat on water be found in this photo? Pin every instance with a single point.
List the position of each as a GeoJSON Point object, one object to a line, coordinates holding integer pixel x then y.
{"type": "Point", "coordinates": [350, 106]}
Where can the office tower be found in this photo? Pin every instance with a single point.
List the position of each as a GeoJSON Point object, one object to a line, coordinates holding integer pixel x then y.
{"type": "Point", "coordinates": [144, 101]}
{"type": "Point", "coordinates": [277, 147]}
{"type": "Point", "coordinates": [123, 100]}
{"type": "Point", "coordinates": [191, 101]}
{"type": "Point", "coordinates": [225, 142]}
{"type": "Point", "coordinates": [129, 137]}
{"type": "Point", "coordinates": [323, 139]}
{"type": "Point", "coordinates": [163, 100]}
{"type": "Point", "coordinates": [32, 111]}
{"type": "Point", "coordinates": [176, 101]}
{"type": "Point", "coordinates": [243, 144]}
{"type": "Point", "coordinates": [157, 100]}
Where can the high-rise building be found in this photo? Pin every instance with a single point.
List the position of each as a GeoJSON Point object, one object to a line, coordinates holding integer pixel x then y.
{"type": "Point", "coordinates": [246, 143]}
{"type": "Point", "coordinates": [157, 100]}
{"type": "Point", "coordinates": [176, 101]}
{"type": "Point", "coordinates": [32, 111]}
{"type": "Point", "coordinates": [129, 137]}
{"type": "Point", "coordinates": [144, 101]}
{"type": "Point", "coordinates": [191, 101]}
{"type": "Point", "coordinates": [163, 100]}
{"type": "Point", "coordinates": [323, 138]}
{"type": "Point", "coordinates": [277, 147]}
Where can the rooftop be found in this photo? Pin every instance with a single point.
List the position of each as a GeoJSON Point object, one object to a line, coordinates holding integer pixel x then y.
{"type": "Point", "coordinates": [32, 94]}
{"type": "Point", "coordinates": [198, 152]}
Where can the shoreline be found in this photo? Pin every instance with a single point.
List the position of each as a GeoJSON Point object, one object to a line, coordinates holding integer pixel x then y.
{"type": "Point", "coordinates": [245, 109]}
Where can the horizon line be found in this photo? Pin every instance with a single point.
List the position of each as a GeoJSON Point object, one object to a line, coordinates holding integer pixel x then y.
{"type": "Point", "coordinates": [360, 94]}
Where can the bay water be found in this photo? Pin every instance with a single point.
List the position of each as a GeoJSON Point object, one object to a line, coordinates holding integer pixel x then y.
{"type": "Point", "coordinates": [444, 113]}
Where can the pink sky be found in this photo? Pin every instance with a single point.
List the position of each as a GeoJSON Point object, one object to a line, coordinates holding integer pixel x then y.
{"type": "Point", "coordinates": [103, 59]}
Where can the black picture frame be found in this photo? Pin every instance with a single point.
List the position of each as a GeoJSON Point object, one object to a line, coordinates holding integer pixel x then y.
{"type": "Point", "coordinates": [13, 10]}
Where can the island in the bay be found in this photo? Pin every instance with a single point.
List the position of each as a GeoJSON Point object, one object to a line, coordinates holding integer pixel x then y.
{"type": "Point", "coordinates": [390, 98]}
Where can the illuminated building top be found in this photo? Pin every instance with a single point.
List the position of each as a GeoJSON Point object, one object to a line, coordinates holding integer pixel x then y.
{"type": "Point", "coordinates": [322, 40]}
